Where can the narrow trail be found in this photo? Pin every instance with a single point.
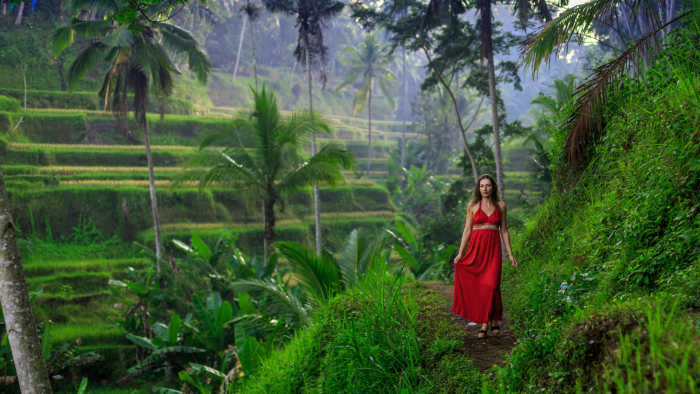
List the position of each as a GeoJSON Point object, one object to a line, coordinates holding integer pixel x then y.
{"type": "Point", "coordinates": [484, 352]}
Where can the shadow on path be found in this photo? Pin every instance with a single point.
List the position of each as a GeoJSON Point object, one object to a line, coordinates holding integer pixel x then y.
{"type": "Point", "coordinates": [484, 352]}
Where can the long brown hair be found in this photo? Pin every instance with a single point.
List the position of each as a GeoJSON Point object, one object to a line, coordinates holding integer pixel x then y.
{"type": "Point", "coordinates": [495, 194]}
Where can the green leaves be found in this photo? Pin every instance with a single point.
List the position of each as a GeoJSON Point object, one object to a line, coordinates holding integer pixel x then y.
{"type": "Point", "coordinates": [318, 275]}
{"type": "Point", "coordinates": [251, 355]}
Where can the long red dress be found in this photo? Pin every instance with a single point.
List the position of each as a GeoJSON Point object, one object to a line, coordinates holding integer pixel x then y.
{"type": "Point", "coordinates": [478, 273]}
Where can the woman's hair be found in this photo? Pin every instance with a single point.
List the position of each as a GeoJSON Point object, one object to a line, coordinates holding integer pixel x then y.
{"type": "Point", "coordinates": [495, 195]}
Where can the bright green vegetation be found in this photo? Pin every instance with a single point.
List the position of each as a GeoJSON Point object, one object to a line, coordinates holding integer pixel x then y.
{"type": "Point", "coordinates": [381, 336]}
{"type": "Point", "coordinates": [609, 265]}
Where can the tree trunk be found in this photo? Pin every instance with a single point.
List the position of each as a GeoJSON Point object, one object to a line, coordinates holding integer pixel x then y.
{"type": "Point", "coordinates": [240, 43]}
{"type": "Point", "coordinates": [252, 46]}
{"type": "Point", "coordinates": [403, 129]}
{"type": "Point", "coordinates": [369, 134]}
{"type": "Point", "coordinates": [19, 318]}
{"type": "Point", "coordinates": [4, 7]}
{"type": "Point", "coordinates": [494, 119]}
{"type": "Point", "coordinates": [475, 170]}
{"type": "Point", "coordinates": [19, 15]}
{"type": "Point", "coordinates": [24, 75]}
{"type": "Point", "coordinates": [269, 232]}
{"type": "Point", "coordinates": [317, 207]}
{"type": "Point", "coordinates": [154, 208]}
{"type": "Point", "coordinates": [292, 77]}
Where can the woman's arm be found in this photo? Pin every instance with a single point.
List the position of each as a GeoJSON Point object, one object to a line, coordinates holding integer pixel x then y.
{"type": "Point", "coordinates": [505, 235]}
{"type": "Point", "coordinates": [466, 233]}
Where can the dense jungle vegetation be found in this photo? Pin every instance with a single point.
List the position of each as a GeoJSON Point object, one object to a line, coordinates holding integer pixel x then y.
{"type": "Point", "coordinates": [243, 197]}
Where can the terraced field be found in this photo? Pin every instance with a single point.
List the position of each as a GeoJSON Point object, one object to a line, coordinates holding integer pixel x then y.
{"type": "Point", "coordinates": [67, 167]}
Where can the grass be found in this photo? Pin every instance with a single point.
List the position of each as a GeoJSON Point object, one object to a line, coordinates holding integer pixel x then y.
{"type": "Point", "coordinates": [128, 148]}
{"type": "Point", "coordinates": [381, 337]}
{"type": "Point", "coordinates": [47, 268]}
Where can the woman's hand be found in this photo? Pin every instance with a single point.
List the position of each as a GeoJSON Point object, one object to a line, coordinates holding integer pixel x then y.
{"type": "Point", "coordinates": [513, 263]}
{"type": "Point", "coordinates": [459, 256]}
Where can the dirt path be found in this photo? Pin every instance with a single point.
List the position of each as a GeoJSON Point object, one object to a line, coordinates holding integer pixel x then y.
{"type": "Point", "coordinates": [484, 352]}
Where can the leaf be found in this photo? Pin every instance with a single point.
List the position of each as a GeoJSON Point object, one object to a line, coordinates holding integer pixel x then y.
{"type": "Point", "coordinates": [410, 239]}
{"type": "Point", "coordinates": [199, 368]}
{"type": "Point", "coordinates": [204, 318]}
{"type": "Point", "coordinates": [251, 355]}
{"type": "Point", "coordinates": [407, 257]}
{"type": "Point", "coordinates": [200, 247]}
{"type": "Point", "coordinates": [83, 386]}
{"type": "Point", "coordinates": [183, 246]}
{"type": "Point", "coordinates": [46, 341]}
{"type": "Point", "coordinates": [165, 390]}
{"type": "Point", "coordinates": [174, 328]}
{"type": "Point", "coordinates": [140, 341]}
{"type": "Point", "coordinates": [114, 282]}
{"type": "Point", "coordinates": [224, 314]}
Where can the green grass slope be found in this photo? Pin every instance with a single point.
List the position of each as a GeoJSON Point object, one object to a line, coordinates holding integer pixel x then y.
{"type": "Point", "coordinates": [609, 282]}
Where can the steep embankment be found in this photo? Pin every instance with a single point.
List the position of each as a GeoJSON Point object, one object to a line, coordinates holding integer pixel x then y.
{"type": "Point", "coordinates": [609, 277]}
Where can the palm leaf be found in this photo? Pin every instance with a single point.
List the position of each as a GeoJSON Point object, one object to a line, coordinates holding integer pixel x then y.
{"type": "Point", "coordinates": [61, 39]}
{"type": "Point", "coordinates": [351, 256]}
{"type": "Point", "coordinates": [122, 37]}
{"type": "Point", "coordinates": [179, 41]}
{"type": "Point", "coordinates": [318, 275]}
{"type": "Point", "coordinates": [84, 63]}
{"type": "Point", "coordinates": [285, 302]}
{"type": "Point", "coordinates": [90, 29]}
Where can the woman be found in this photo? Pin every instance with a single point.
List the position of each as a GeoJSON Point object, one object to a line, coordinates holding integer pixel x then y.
{"type": "Point", "coordinates": [478, 271]}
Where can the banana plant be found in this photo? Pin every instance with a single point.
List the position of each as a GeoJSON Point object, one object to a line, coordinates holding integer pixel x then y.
{"type": "Point", "coordinates": [424, 262]}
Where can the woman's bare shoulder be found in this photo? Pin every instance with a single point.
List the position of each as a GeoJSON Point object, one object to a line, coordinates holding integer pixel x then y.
{"type": "Point", "coordinates": [502, 205]}
{"type": "Point", "coordinates": [471, 207]}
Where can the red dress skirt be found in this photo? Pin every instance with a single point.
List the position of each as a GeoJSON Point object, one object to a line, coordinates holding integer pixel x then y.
{"type": "Point", "coordinates": [478, 273]}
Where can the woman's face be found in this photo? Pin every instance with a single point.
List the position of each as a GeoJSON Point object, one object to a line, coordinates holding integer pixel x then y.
{"type": "Point", "coordinates": [485, 187]}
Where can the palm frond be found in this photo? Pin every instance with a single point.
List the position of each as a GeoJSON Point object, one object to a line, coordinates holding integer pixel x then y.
{"type": "Point", "coordinates": [386, 87]}
{"type": "Point", "coordinates": [318, 275]}
{"type": "Point", "coordinates": [90, 29]}
{"type": "Point", "coordinates": [180, 41]}
{"type": "Point", "coordinates": [213, 166]}
{"type": "Point", "coordinates": [362, 96]}
{"type": "Point", "coordinates": [61, 39]}
{"type": "Point", "coordinates": [283, 301]}
{"type": "Point", "coordinates": [594, 93]}
{"type": "Point", "coordinates": [556, 35]}
{"type": "Point", "coordinates": [352, 76]}
{"type": "Point", "coordinates": [323, 167]}
{"type": "Point", "coordinates": [351, 253]}
{"type": "Point", "coordinates": [122, 37]}
{"type": "Point", "coordinates": [84, 63]}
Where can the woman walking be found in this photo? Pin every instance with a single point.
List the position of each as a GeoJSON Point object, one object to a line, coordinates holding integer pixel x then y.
{"type": "Point", "coordinates": [478, 271]}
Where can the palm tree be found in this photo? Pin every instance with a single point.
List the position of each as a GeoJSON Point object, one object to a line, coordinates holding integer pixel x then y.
{"type": "Point", "coordinates": [260, 156]}
{"type": "Point", "coordinates": [370, 64]}
{"type": "Point", "coordinates": [137, 61]}
{"type": "Point", "coordinates": [311, 16]}
{"type": "Point", "coordinates": [251, 12]}
{"type": "Point", "coordinates": [17, 309]}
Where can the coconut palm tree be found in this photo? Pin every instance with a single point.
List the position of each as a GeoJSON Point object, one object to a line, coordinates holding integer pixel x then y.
{"type": "Point", "coordinates": [261, 157]}
{"type": "Point", "coordinates": [251, 12]}
{"type": "Point", "coordinates": [370, 65]}
{"type": "Point", "coordinates": [138, 60]}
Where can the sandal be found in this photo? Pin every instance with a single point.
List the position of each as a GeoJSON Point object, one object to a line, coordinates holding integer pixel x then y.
{"type": "Point", "coordinates": [495, 328]}
{"type": "Point", "coordinates": [481, 332]}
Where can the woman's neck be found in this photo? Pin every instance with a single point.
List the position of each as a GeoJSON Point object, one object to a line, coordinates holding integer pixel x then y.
{"type": "Point", "coordinates": [486, 200]}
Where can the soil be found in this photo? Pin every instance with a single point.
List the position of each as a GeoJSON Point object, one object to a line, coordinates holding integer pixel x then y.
{"type": "Point", "coordinates": [484, 352]}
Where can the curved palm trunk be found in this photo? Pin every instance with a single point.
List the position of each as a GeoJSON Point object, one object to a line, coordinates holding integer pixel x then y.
{"type": "Point", "coordinates": [317, 208]}
{"type": "Point", "coordinates": [19, 15]}
{"type": "Point", "coordinates": [19, 318]}
{"type": "Point", "coordinates": [240, 43]}
{"type": "Point", "coordinates": [494, 119]}
{"type": "Point", "coordinates": [369, 146]}
{"type": "Point", "coordinates": [487, 52]}
{"type": "Point", "coordinates": [255, 66]}
{"type": "Point", "coordinates": [154, 208]}
{"type": "Point", "coordinates": [403, 130]}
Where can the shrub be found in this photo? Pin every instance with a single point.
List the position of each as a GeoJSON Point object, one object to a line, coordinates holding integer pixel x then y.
{"type": "Point", "coordinates": [10, 104]}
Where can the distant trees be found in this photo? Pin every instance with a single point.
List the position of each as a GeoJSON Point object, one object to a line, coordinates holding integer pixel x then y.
{"type": "Point", "coordinates": [261, 157]}
{"type": "Point", "coordinates": [138, 59]}
{"type": "Point", "coordinates": [311, 16]}
{"type": "Point", "coordinates": [251, 12]}
{"type": "Point", "coordinates": [370, 65]}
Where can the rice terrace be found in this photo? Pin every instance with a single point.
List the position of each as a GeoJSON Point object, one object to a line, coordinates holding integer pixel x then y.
{"type": "Point", "coordinates": [329, 196]}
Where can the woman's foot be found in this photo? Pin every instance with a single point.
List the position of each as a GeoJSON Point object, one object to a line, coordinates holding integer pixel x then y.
{"type": "Point", "coordinates": [495, 329]}
{"type": "Point", "coordinates": [481, 334]}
